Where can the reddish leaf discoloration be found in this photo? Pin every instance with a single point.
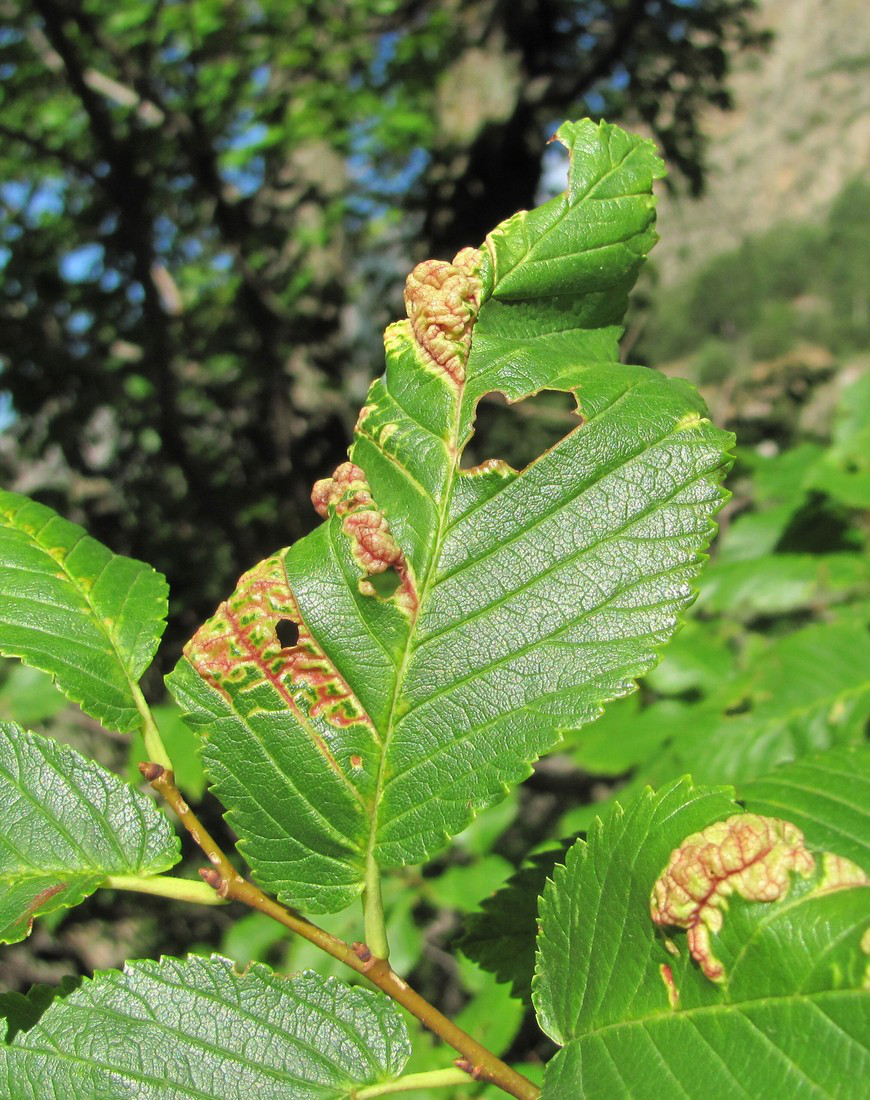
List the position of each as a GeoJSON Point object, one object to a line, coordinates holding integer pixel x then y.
{"type": "Point", "coordinates": [750, 855]}
{"type": "Point", "coordinates": [442, 300]}
{"type": "Point", "coordinates": [374, 549]}
{"type": "Point", "coordinates": [670, 985]}
{"type": "Point", "coordinates": [36, 903]}
{"type": "Point", "coordinates": [44, 895]}
{"type": "Point", "coordinates": [240, 643]}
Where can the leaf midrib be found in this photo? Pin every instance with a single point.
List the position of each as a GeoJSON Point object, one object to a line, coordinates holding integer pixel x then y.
{"type": "Point", "coordinates": [426, 584]}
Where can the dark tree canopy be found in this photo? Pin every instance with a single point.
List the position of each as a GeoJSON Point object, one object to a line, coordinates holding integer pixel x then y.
{"type": "Point", "coordinates": [206, 204]}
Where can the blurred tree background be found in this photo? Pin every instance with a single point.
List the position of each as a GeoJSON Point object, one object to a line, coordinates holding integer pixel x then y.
{"type": "Point", "coordinates": [209, 207]}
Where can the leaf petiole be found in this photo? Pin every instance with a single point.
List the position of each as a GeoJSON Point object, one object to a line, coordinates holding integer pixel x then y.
{"type": "Point", "coordinates": [433, 1079]}
{"type": "Point", "coordinates": [154, 746]}
{"type": "Point", "coordinates": [166, 886]}
{"type": "Point", "coordinates": [373, 911]}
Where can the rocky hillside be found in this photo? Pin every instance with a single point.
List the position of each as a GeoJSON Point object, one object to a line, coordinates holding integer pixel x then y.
{"type": "Point", "coordinates": [800, 131]}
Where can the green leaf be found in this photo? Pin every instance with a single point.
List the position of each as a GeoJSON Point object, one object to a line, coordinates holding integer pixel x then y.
{"type": "Point", "coordinates": [66, 824]}
{"type": "Point", "coordinates": [781, 478]}
{"type": "Point", "coordinates": [21, 1011]}
{"type": "Point", "coordinates": [697, 660]}
{"type": "Point", "coordinates": [779, 583]}
{"type": "Point", "coordinates": [826, 795]}
{"type": "Point", "coordinates": [72, 608]}
{"type": "Point", "coordinates": [844, 471]}
{"type": "Point", "coordinates": [454, 623]}
{"type": "Point", "coordinates": [183, 1028]}
{"type": "Point", "coordinates": [597, 944]}
{"type": "Point", "coordinates": [462, 886]}
{"type": "Point", "coordinates": [785, 1014]}
{"type": "Point", "coordinates": [755, 534]}
{"type": "Point", "coordinates": [501, 937]}
{"type": "Point", "coordinates": [627, 734]}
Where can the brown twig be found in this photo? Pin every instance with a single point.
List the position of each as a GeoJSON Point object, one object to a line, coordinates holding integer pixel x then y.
{"type": "Point", "coordinates": [476, 1060]}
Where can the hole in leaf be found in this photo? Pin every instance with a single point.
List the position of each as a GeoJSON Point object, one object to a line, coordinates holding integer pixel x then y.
{"type": "Point", "coordinates": [288, 633]}
{"type": "Point", "coordinates": [386, 583]}
{"type": "Point", "coordinates": [520, 433]}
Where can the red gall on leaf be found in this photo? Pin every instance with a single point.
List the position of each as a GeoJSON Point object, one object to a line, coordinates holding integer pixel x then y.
{"type": "Point", "coordinates": [373, 547]}
{"type": "Point", "coordinates": [750, 855]}
{"type": "Point", "coordinates": [345, 490]}
{"type": "Point", "coordinates": [442, 300]}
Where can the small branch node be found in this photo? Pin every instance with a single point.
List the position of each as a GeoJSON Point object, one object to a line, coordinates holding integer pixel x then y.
{"type": "Point", "coordinates": [476, 1073]}
{"type": "Point", "coordinates": [362, 952]}
{"type": "Point", "coordinates": [151, 771]}
{"type": "Point", "coordinates": [214, 879]}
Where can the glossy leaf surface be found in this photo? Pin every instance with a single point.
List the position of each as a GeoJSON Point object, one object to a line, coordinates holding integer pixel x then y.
{"type": "Point", "coordinates": [827, 795]}
{"type": "Point", "coordinates": [452, 623]}
{"type": "Point", "coordinates": [637, 1016]}
{"type": "Point", "coordinates": [65, 825]}
{"type": "Point", "coordinates": [182, 1028]}
{"type": "Point", "coordinates": [70, 607]}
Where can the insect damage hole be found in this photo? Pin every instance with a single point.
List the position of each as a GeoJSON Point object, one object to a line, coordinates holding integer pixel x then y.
{"type": "Point", "coordinates": [522, 432]}
{"type": "Point", "coordinates": [287, 632]}
{"type": "Point", "coordinates": [383, 584]}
